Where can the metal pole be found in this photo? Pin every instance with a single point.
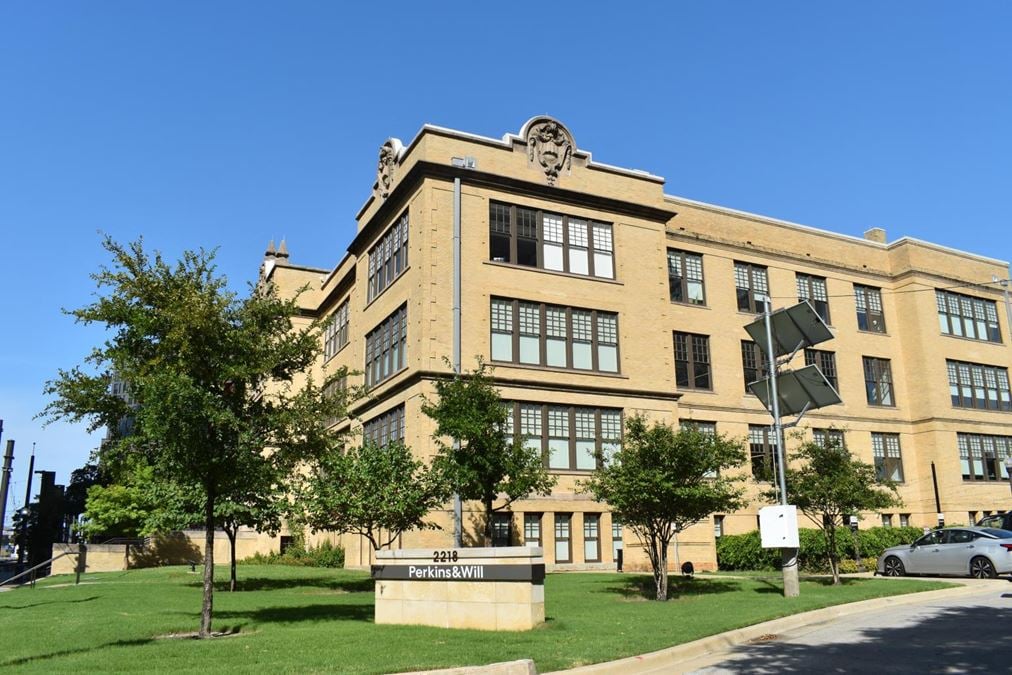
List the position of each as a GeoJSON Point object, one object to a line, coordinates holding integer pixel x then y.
{"type": "Point", "coordinates": [24, 515]}
{"type": "Point", "coordinates": [5, 482]}
{"type": "Point", "coordinates": [457, 506]}
{"type": "Point", "coordinates": [788, 556]}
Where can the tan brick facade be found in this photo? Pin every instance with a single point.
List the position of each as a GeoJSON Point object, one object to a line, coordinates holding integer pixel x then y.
{"type": "Point", "coordinates": [549, 175]}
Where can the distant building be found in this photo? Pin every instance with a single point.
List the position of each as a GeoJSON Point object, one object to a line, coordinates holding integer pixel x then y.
{"type": "Point", "coordinates": [596, 295]}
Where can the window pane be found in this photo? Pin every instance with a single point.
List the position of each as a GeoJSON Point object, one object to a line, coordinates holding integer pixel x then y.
{"type": "Point", "coordinates": [582, 357]}
{"type": "Point", "coordinates": [607, 358]}
{"type": "Point", "coordinates": [603, 266]}
{"type": "Point", "coordinates": [502, 347]}
{"type": "Point", "coordinates": [585, 455]}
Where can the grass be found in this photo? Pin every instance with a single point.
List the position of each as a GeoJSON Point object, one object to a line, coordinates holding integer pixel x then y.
{"type": "Point", "coordinates": [297, 619]}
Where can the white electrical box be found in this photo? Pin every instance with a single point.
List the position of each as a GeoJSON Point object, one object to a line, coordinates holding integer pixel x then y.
{"type": "Point", "coordinates": [778, 526]}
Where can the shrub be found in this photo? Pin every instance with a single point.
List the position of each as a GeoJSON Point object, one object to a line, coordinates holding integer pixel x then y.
{"type": "Point", "coordinates": [324, 555]}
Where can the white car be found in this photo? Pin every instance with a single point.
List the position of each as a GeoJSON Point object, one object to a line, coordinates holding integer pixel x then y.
{"type": "Point", "coordinates": [981, 552]}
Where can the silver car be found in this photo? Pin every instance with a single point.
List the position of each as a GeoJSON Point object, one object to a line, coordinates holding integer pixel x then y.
{"type": "Point", "coordinates": [982, 552]}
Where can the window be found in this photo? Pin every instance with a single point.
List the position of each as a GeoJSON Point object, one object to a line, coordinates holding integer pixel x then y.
{"type": "Point", "coordinates": [753, 363]}
{"type": "Point", "coordinates": [813, 289]}
{"type": "Point", "coordinates": [386, 427]}
{"type": "Point", "coordinates": [878, 381]}
{"type": "Point", "coordinates": [549, 335]}
{"type": "Point", "coordinates": [705, 428]}
{"type": "Point", "coordinates": [692, 361]}
{"type": "Point", "coordinates": [966, 316]}
{"type": "Point", "coordinates": [887, 520]}
{"type": "Point", "coordinates": [869, 309]}
{"type": "Point", "coordinates": [535, 238]}
{"type": "Point", "coordinates": [888, 462]}
{"type": "Point", "coordinates": [570, 437]}
{"type": "Point", "coordinates": [335, 335]}
{"type": "Point", "coordinates": [616, 538]}
{"type": "Point", "coordinates": [385, 347]}
{"type": "Point", "coordinates": [502, 525]}
{"type": "Point", "coordinates": [592, 537]}
{"type": "Point", "coordinates": [718, 527]}
{"type": "Point", "coordinates": [826, 361]}
{"type": "Point", "coordinates": [563, 549]}
{"type": "Point", "coordinates": [762, 452]}
{"type": "Point", "coordinates": [972, 517]}
{"type": "Point", "coordinates": [532, 529]}
{"type": "Point", "coordinates": [685, 277]}
{"type": "Point", "coordinates": [388, 258]}
{"type": "Point", "coordinates": [972, 385]}
{"type": "Point", "coordinates": [982, 457]}
{"type": "Point", "coordinates": [828, 438]}
{"type": "Point", "coordinates": [904, 520]}
{"type": "Point", "coordinates": [333, 389]}
{"type": "Point", "coordinates": [751, 286]}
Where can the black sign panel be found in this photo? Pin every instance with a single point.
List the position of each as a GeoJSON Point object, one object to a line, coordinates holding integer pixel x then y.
{"type": "Point", "coordinates": [477, 572]}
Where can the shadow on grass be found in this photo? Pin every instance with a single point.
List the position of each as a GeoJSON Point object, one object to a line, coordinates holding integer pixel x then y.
{"type": "Point", "coordinates": [366, 585]}
{"type": "Point", "coordinates": [70, 652]}
{"type": "Point", "coordinates": [678, 587]}
{"type": "Point", "coordinates": [50, 602]}
{"type": "Point", "coordinates": [314, 613]}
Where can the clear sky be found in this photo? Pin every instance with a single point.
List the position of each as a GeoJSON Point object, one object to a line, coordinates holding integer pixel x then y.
{"type": "Point", "coordinates": [226, 124]}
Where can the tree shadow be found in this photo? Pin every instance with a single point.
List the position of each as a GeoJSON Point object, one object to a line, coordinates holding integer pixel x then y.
{"type": "Point", "coordinates": [964, 639]}
{"type": "Point", "coordinates": [50, 602]}
{"type": "Point", "coordinates": [70, 652]}
{"type": "Point", "coordinates": [173, 548]}
{"type": "Point", "coordinates": [313, 613]}
{"type": "Point", "coordinates": [643, 587]}
{"type": "Point", "coordinates": [366, 585]}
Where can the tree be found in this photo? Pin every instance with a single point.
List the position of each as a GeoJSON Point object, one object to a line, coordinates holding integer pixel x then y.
{"type": "Point", "coordinates": [210, 376]}
{"type": "Point", "coordinates": [484, 462]}
{"type": "Point", "coordinates": [831, 484]}
{"type": "Point", "coordinates": [375, 491]}
{"type": "Point", "coordinates": [661, 481]}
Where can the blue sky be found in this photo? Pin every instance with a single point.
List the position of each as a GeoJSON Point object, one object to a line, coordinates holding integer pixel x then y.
{"type": "Point", "coordinates": [227, 124]}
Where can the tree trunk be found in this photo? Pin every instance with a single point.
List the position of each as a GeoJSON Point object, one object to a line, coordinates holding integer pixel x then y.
{"type": "Point", "coordinates": [834, 565]}
{"type": "Point", "coordinates": [659, 562]}
{"type": "Point", "coordinates": [208, 603]}
{"type": "Point", "coordinates": [489, 541]}
{"type": "Point", "coordinates": [231, 532]}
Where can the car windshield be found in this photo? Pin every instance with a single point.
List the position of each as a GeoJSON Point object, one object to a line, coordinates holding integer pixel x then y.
{"type": "Point", "coordinates": [995, 532]}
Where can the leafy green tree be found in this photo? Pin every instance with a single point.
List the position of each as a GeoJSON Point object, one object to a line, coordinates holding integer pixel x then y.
{"type": "Point", "coordinates": [483, 462]}
{"type": "Point", "coordinates": [661, 481]}
{"type": "Point", "coordinates": [831, 484]}
{"type": "Point", "coordinates": [376, 491]}
{"type": "Point", "coordinates": [210, 377]}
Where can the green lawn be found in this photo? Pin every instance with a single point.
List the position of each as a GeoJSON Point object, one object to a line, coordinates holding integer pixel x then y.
{"type": "Point", "coordinates": [294, 619]}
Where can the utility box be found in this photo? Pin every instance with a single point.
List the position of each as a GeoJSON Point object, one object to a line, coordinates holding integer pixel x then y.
{"type": "Point", "coordinates": [778, 526]}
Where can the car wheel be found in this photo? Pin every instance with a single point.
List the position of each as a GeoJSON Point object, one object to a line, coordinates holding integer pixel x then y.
{"type": "Point", "coordinates": [981, 568]}
{"type": "Point", "coordinates": [894, 567]}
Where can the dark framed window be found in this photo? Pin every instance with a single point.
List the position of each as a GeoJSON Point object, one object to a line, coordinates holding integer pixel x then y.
{"type": "Point", "coordinates": [762, 452]}
{"type": "Point", "coordinates": [826, 361]}
{"type": "Point", "coordinates": [333, 389]}
{"type": "Point", "coordinates": [685, 277]}
{"type": "Point", "coordinates": [389, 257]}
{"type": "Point", "coordinates": [385, 347]}
{"type": "Point", "coordinates": [551, 241]}
{"type": "Point", "coordinates": [705, 428]}
{"type": "Point", "coordinates": [385, 428]}
{"type": "Point", "coordinates": [973, 385]}
{"type": "Point", "coordinates": [982, 457]}
{"type": "Point", "coordinates": [869, 309]}
{"type": "Point", "coordinates": [532, 529]}
{"type": "Point", "coordinates": [569, 437]}
{"type": "Point", "coordinates": [878, 381]}
{"type": "Point", "coordinates": [966, 316]}
{"type": "Point", "coordinates": [753, 363]}
{"type": "Point", "coordinates": [885, 448]}
{"type": "Point", "coordinates": [335, 334]}
{"type": "Point", "coordinates": [563, 543]}
{"type": "Point", "coordinates": [813, 289]}
{"type": "Point", "coordinates": [616, 538]}
{"type": "Point", "coordinates": [502, 528]}
{"type": "Point", "coordinates": [751, 286]}
{"type": "Point", "coordinates": [592, 537]}
{"type": "Point", "coordinates": [887, 520]}
{"type": "Point", "coordinates": [550, 335]}
{"type": "Point", "coordinates": [718, 526]}
{"type": "Point", "coordinates": [829, 438]}
{"type": "Point", "coordinates": [692, 361]}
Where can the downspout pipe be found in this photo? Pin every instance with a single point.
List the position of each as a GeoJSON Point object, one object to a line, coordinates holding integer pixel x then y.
{"type": "Point", "coordinates": [457, 507]}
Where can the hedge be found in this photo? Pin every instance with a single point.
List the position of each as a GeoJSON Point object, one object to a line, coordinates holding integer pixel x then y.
{"type": "Point", "coordinates": [744, 552]}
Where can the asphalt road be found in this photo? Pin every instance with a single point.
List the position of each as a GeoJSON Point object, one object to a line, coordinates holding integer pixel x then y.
{"type": "Point", "coordinates": [968, 634]}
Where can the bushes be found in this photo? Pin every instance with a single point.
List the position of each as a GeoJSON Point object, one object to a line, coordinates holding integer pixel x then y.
{"type": "Point", "coordinates": [324, 555]}
{"type": "Point", "coordinates": [743, 551]}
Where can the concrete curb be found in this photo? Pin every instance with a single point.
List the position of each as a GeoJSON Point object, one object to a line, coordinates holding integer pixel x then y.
{"type": "Point", "coordinates": [669, 658]}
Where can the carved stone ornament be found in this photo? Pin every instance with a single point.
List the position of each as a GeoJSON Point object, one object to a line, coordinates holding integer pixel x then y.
{"type": "Point", "coordinates": [389, 158]}
{"type": "Point", "coordinates": [550, 146]}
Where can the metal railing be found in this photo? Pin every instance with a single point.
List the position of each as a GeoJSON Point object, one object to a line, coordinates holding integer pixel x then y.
{"type": "Point", "coordinates": [31, 570]}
